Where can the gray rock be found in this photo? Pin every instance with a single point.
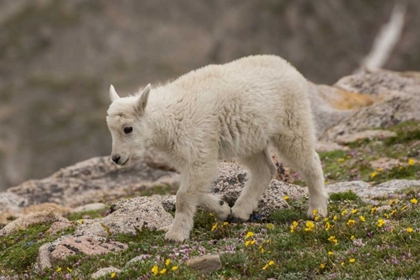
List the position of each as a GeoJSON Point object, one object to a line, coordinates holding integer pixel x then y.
{"type": "Point", "coordinates": [397, 100]}
{"type": "Point", "coordinates": [230, 183]}
{"type": "Point", "coordinates": [44, 260]}
{"type": "Point", "coordinates": [364, 189]}
{"type": "Point", "coordinates": [325, 115]}
{"type": "Point", "coordinates": [205, 264]}
{"type": "Point", "coordinates": [379, 82]}
{"type": "Point", "coordinates": [12, 201]}
{"type": "Point", "coordinates": [91, 180]}
{"type": "Point", "coordinates": [367, 134]}
{"type": "Point", "coordinates": [127, 216]}
{"type": "Point", "coordinates": [137, 259]}
{"type": "Point", "coordinates": [105, 271]}
{"type": "Point", "coordinates": [359, 187]}
{"type": "Point", "coordinates": [90, 207]}
{"type": "Point", "coordinates": [59, 226]}
{"type": "Point", "coordinates": [21, 223]}
{"type": "Point", "coordinates": [322, 146]}
{"type": "Point", "coordinates": [86, 245]}
{"type": "Point", "coordinates": [384, 163]}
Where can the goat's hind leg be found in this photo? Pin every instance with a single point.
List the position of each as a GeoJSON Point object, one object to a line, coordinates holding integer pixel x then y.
{"type": "Point", "coordinates": [261, 171]}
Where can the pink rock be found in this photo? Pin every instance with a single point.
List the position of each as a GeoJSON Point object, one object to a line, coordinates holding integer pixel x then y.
{"type": "Point", "coordinates": [84, 245]}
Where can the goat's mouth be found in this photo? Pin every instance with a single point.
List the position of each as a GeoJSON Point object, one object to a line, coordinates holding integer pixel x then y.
{"type": "Point", "coordinates": [124, 162]}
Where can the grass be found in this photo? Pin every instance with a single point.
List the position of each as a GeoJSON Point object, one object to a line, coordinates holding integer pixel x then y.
{"type": "Point", "coordinates": [354, 164]}
{"type": "Point", "coordinates": [357, 240]}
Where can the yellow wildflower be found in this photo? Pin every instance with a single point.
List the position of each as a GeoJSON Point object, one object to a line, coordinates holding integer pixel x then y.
{"type": "Point", "coordinates": [361, 218]}
{"type": "Point", "coordinates": [381, 222]}
{"type": "Point", "coordinates": [270, 262]}
{"type": "Point", "coordinates": [265, 267]}
{"type": "Point", "coordinates": [414, 201]}
{"type": "Point", "coordinates": [58, 269]}
{"type": "Point", "coordinates": [379, 169]}
{"type": "Point", "coordinates": [314, 212]}
{"type": "Point", "coordinates": [335, 218]}
{"type": "Point", "coordinates": [411, 161]}
{"type": "Point", "coordinates": [409, 229]}
{"type": "Point", "coordinates": [333, 239]}
{"type": "Point", "coordinates": [352, 260]}
{"type": "Point", "coordinates": [392, 202]}
{"type": "Point", "coordinates": [269, 226]}
{"type": "Point", "coordinates": [342, 263]}
{"type": "Point", "coordinates": [113, 274]}
{"type": "Point", "coordinates": [163, 271]}
{"type": "Point", "coordinates": [341, 160]}
{"type": "Point", "coordinates": [327, 226]}
{"type": "Point", "coordinates": [354, 211]}
{"type": "Point", "coordinates": [247, 242]}
{"type": "Point", "coordinates": [344, 212]}
{"type": "Point", "coordinates": [351, 222]}
{"type": "Point", "coordinates": [330, 253]}
{"type": "Point", "coordinates": [225, 223]}
{"type": "Point", "coordinates": [317, 218]}
{"type": "Point", "coordinates": [268, 241]}
{"type": "Point", "coordinates": [393, 212]}
{"type": "Point", "coordinates": [373, 174]}
{"type": "Point", "coordinates": [249, 234]}
{"type": "Point", "coordinates": [174, 268]}
{"type": "Point", "coordinates": [286, 197]}
{"type": "Point", "coordinates": [386, 215]}
{"type": "Point", "coordinates": [293, 226]}
{"type": "Point", "coordinates": [167, 262]}
{"type": "Point", "coordinates": [69, 269]}
{"type": "Point", "coordinates": [81, 221]}
{"type": "Point", "coordinates": [155, 269]}
{"type": "Point", "coordinates": [326, 219]}
{"type": "Point", "coordinates": [404, 207]}
{"type": "Point", "coordinates": [352, 237]}
{"type": "Point", "coordinates": [213, 228]}
{"type": "Point", "coordinates": [372, 210]}
{"type": "Point", "coordinates": [322, 266]}
{"type": "Point", "coordinates": [309, 226]}
{"type": "Point", "coordinates": [253, 242]}
{"type": "Point", "coordinates": [261, 249]}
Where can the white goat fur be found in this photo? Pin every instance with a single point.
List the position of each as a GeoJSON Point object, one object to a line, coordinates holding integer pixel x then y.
{"type": "Point", "coordinates": [235, 110]}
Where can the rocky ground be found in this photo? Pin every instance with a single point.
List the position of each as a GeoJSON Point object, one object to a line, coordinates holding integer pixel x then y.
{"type": "Point", "coordinates": [94, 219]}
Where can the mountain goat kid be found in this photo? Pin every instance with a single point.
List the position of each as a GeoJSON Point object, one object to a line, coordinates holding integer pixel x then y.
{"type": "Point", "coordinates": [236, 110]}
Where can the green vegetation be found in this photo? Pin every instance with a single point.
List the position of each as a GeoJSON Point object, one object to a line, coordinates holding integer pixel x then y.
{"type": "Point", "coordinates": [354, 164]}
{"type": "Point", "coordinates": [358, 240]}
{"type": "Point", "coordinates": [355, 240]}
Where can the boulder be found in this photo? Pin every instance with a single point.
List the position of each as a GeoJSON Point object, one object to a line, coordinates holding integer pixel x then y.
{"type": "Point", "coordinates": [397, 99]}
{"type": "Point", "coordinates": [92, 180]}
{"type": "Point", "coordinates": [367, 134]}
{"type": "Point", "coordinates": [364, 189]}
{"type": "Point", "coordinates": [127, 216]}
{"type": "Point", "coordinates": [47, 216]}
{"type": "Point", "coordinates": [230, 183]}
{"type": "Point", "coordinates": [205, 264]}
{"type": "Point", "coordinates": [86, 245]}
{"type": "Point", "coordinates": [105, 271]}
{"type": "Point", "coordinates": [384, 163]}
{"type": "Point", "coordinates": [90, 207]}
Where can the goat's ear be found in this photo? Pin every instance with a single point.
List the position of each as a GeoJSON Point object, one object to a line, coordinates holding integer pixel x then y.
{"type": "Point", "coordinates": [113, 94]}
{"type": "Point", "coordinates": [142, 101]}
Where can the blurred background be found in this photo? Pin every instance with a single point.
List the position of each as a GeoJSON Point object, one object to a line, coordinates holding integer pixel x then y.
{"type": "Point", "coordinates": [58, 58]}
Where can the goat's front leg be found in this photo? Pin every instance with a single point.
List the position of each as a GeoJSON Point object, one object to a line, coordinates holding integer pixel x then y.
{"type": "Point", "coordinates": [195, 183]}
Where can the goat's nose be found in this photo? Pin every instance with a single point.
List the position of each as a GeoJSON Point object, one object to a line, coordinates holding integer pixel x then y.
{"type": "Point", "coordinates": [116, 158]}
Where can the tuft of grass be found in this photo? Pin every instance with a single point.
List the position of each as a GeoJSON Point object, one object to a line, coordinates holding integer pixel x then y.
{"type": "Point", "coordinates": [341, 196]}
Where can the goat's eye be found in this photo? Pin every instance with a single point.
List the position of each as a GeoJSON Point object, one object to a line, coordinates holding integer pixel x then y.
{"type": "Point", "coordinates": [128, 129]}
